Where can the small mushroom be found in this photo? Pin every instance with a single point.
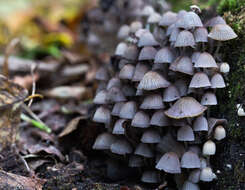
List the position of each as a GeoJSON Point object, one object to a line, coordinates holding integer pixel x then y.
{"type": "Point", "coordinates": [170, 163]}
{"type": "Point", "coordinates": [219, 133]}
{"type": "Point", "coordinates": [104, 141]}
{"type": "Point", "coordinates": [141, 119]}
{"type": "Point", "coordinates": [209, 148]}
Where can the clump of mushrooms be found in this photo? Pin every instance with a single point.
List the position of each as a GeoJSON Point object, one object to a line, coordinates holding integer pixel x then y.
{"type": "Point", "coordinates": [154, 98]}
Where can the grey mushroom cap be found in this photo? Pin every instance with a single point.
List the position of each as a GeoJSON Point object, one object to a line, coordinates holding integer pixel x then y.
{"type": "Point", "coordinates": [209, 99]}
{"type": "Point", "coordinates": [135, 161]}
{"type": "Point", "coordinates": [144, 150]}
{"type": "Point", "coordinates": [128, 110]}
{"type": "Point", "coordinates": [190, 186]}
{"type": "Point", "coordinates": [171, 94]}
{"type": "Point", "coordinates": [101, 97]}
{"type": "Point", "coordinates": [150, 177]}
{"type": "Point", "coordinates": [182, 64]}
{"type": "Point", "coordinates": [115, 95]}
{"type": "Point", "coordinates": [185, 107]}
{"type": "Point", "coordinates": [151, 136]}
{"type": "Point", "coordinates": [201, 34]}
{"type": "Point", "coordinates": [185, 39]}
{"type": "Point", "coordinates": [200, 124]}
{"type": "Point", "coordinates": [200, 80]}
{"type": "Point", "coordinates": [190, 160]}
{"type": "Point", "coordinates": [147, 53]}
{"type": "Point", "coordinates": [153, 80]}
{"type": "Point", "coordinates": [185, 133]}
{"type": "Point", "coordinates": [168, 18]}
{"type": "Point", "coordinates": [214, 21]}
{"type": "Point", "coordinates": [205, 60]}
{"type": "Point", "coordinates": [141, 119]}
{"type": "Point", "coordinates": [160, 119]}
{"type": "Point", "coordinates": [118, 127]}
{"type": "Point", "coordinates": [127, 72]}
{"type": "Point", "coordinates": [120, 49]}
{"type": "Point", "coordinates": [153, 101]}
{"type": "Point", "coordinates": [170, 163]}
{"type": "Point", "coordinates": [147, 39]}
{"type": "Point", "coordinates": [174, 34]}
{"type": "Point", "coordinates": [170, 29]}
{"type": "Point", "coordinates": [195, 56]}
{"type": "Point", "coordinates": [207, 174]}
{"type": "Point", "coordinates": [131, 53]}
{"type": "Point", "coordinates": [189, 20]}
{"type": "Point", "coordinates": [222, 32]}
{"type": "Point", "coordinates": [154, 18]}
{"type": "Point", "coordinates": [102, 115]}
{"type": "Point", "coordinates": [102, 74]}
{"type": "Point", "coordinates": [123, 32]}
{"type": "Point", "coordinates": [135, 26]}
{"type": "Point", "coordinates": [182, 87]}
{"type": "Point", "coordinates": [104, 141]}
{"type": "Point", "coordinates": [217, 81]}
{"type": "Point", "coordinates": [164, 55]}
{"type": "Point", "coordinates": [117, 108]}
{"type": "Point", "coordinates": [140, 70]}
{"type": "Point", "coordinates": [194, 176]}
{"type": "Point", "coordinates": [113, 82]}
{"type": "Point", "coordinates": [121, 146]}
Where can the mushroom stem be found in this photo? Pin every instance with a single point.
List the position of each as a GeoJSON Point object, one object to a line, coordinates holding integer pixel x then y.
{"type": "Point", "coordinates": [217, 49]}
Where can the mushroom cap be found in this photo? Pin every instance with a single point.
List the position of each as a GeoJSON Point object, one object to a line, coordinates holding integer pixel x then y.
{"type": "Point", "coordinates": [171, 93]}
{"type": "Point", "coordinates": [209, 99]}
{"type": "Point", "coordinates": [147, 39]}
{"type": "Point", "coordinates": [182, 86]}
{"type": "Point", "coordinates": [152, 101]}
{"type": "Point", "coordinates": [201, 34]}
{"type": "Point", "coordinates": [209, 148]}
{"type": "Point", "coordinates": [212, 122]}
{"type": "Point", "coordinates": [135, 161]}
{"type": "Point", "coordinates": [141, 119]}
{"type": "Point", "coordinates": [160, 119]}
{"type": "Point", "coordinates": [190, 186]}
{"type": "Point", "coordinates": [174, 34]}
{"type": "Point", "coordinates": [217, 81]}
{"type": "Point", "coordinates": [185, 39]}
{"type": "Point", "coordinates": [190, 160]}
{"type": "Point", "coordinates": [141, 31]}
{"type": "Point", "coordinates": [194, 176]}
{"type": "Point", "coordinates": [182, 64]}
{"type": "Point", "coordinates": [170, 163]}
{"type": "Point", "coordinates": [200, 124]}
{"type": "Point", "coordinates": [207, 174]}
{"type": "Point", "coordinates": [118, 127]}
{"type": "Point", "coordinates": [150, 177]}
{"type": "Point", "coordinates": [147, 10]}
{"type": "Point", "coordinates": [185, 133]}
{"type": "Point", "coordinates": [153, 80]}
{"type": "Point", "coordinates": [140, 70]}
{"type": "Point", "coordinates": [154, 18]}
{"type": "Point", "coordinates": [219, 133]}
{"type": "Point", "coordinates": [170, 29]}
{"type": "Point", "coordinates": [117, 108]}
{"type": "Point", "coordinates": [134, 26]}
{"type": "Point", "coordinates": [101, 97]}
{"type": "Point", "coordinates": [195, 56]}
{"type": "Point", "coordinates": [115, 94]}
{"type": "Point", "coordinates": [224, 68]}
{"type": "Point", "coordinates": [128, 110]}
{"type": "Point", "coordinates": [104, 141]}
{"type": "Point", "coordinates": [222, 32]}
{"type": "Point", "coordinates": [131, 53]}
{"type": "Point", "coordinates": [102, 74]}
{"type": "Point", "coordinates": [200, 80]}
{"type": "Point", "coordinates": [168, 18]}
{"type": "Point", "coordinates": [102, 115]}
{"type": "Point", "coordinates": [144, 150]}
{"type": "Point", "coordinates": [120, 49]}
{"type": "Point", "coordinates": [127, 72]}
{"type": "Point", "coordinates": [150, 136]}
{"type": "Point", "coordinates": [159, 34]}
{"type": "Point", "coordinates": [214, 21]}
{"type": "Point", "coordinates": [121, 146]}
{"type": "Point", "coordinates": [123, 32]}
{"type": "Point", "coordinates": [113, 82]}
{"type": "Point", "coordinates": [185, 107]}
{"type": "Point", "coordinates": [205, 60]}
{"type": "Point", "coordinates": [164, 55]}
{"type": "Point", "coordinates": [189, 20]}
{"type": "Point", "coordinates": [147, 53]}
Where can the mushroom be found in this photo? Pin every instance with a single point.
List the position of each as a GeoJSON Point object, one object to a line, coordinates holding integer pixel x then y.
{"type": "Point", "coordinates": [170, 163]}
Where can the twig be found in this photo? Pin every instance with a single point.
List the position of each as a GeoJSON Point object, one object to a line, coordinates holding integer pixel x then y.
{"type": "Point", "coordinates": [33, 68]}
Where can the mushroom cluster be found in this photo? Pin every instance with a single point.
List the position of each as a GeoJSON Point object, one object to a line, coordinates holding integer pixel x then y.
{"type": "Point", "coordinates": [155, 97]}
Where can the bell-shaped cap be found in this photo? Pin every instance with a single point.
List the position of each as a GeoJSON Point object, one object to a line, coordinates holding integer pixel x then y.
{"type": "Point", "coordinates": [101, 97]}
{"type": "Point", "coordinates": [190, 160]}
{"type": "Point", "coordinates": [201, 34]}
{"type": "Point", "coordinates": [200, 80]}
{"type": "Point", "coordinates": [147, 39]}
{"type": "Point", "coordinates": [141, 119]}
{"type": "Point", "coordinates": [205, 60]}
{"type": "Point", "coordinates": [185, 133]}
{"type": "Point", "coordinates": [195, 56]}
{"type": "Point", "coordinates": [102, 74]}
{"type": "Point", "coordinates": [141, 31]}
{"type": "Point", "coordinates": [219, 133]}
{"type": "Point", "coordinates": [181, 13]}
{"type": "Point", "coordinates": [174, 34]}
{"type": "Point", "coordinates": [160, 119]}
{"type": "Point", "coordinates": [115, 95]}
{"type": "Point", "coordinates": [104, 141]}
{"type": "Point", "coordinates": [135, 26]}
{"type": "Point", "coordinates": [222, 32]}
{"type": "Point", "coordinates": [128, 110]}
{"type": "Point", "coordinates": [171, 94]}
{"type": "Point", "coordinates": [150, 177]}
{"type": "Point", "coordinates": [120, 49]}
{"type": "Point", "coordinates": [131, 53]}
{"type": "Point", "coordinates": [190, 186]}
{"type": "Point", "coordinates": [122, 63]}
{"type": "Point", "coordinates": [150, 136]}
{"type": "Point", "coordinates": [117, 108]}
{"type": "Point", "coordinates": [182, 64]}
{"type": "Point", "coordinates": [200, 124]}
{"type": "Point", "coordinates": [224, 68]}
{"type": "Point", "coordinates": [135, 161]}
{"type": "Point", "coordinates": [185, 39]}
{"type": "Point", "coordinates": [212, 122]}
{"type": "Point", "coordinates": [140, 70]}
{"type": "Point", "coordinates": [168, 18]}
{"type": "Point", "coordinates": [154, 18]}
{"type": "Point", "coordinates": [207, 174]}
{"type": "Point", "coordinates": [209, 99]}
{"type": "Point", "coordinates": [144, 150]}
{"type": "Point", "coordinates": [194, 176]}
{"type": "Point", "coordinates": [203, 163]}
{"type": "Point", "coordinates": [153, 80]}
{"type": "Point", "coordinates": [214, 21]}
{"type": "Point", "coordinates": [189, 20]}
{"type": "Point", "coordinates": [147, 10]}
{"type": "Point", "coordinates": [217, 81]}
{"type": "Point", "coordinates": [113, 82]}
{"type": "Point", "coordinates": [123, 32]}
{"type": "Point", "coordinates": [209, 148]}
{"type": "Point", "coordinates": [152, 101]}
{"type": "Point", "coordinates": [147, 53]}
{"type": "Point", "coordinates": [170, 29]}
{"type": "Point", "coordinates": [118, 127]}
{"type": "Point", "coordinates": [164, 55]}
{"type": "Point", "coordinates": [102, 115]}
{"type": "Point", "coordinates": [121, 146]}
{"type": "Point", "coordinates": [185, 107]}
{"type": "Point", "coordinates": [169, 163]}
{"type": "Point", "coordinates": [159, 34]}
{"type": "Point", "coordinates": [181, 84]}
{"type": "Point", "coordinates": [127, 72]}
